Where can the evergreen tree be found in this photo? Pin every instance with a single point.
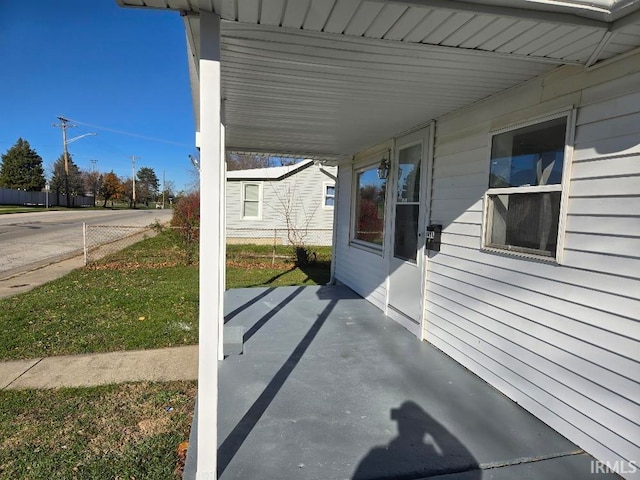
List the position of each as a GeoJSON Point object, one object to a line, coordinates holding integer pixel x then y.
{"type": "Point", "coordinates": [147, 185]}
{"type": "Point", "coordinates": [22, 168]}
{"type": "Point", "coordinates": [59, 181]}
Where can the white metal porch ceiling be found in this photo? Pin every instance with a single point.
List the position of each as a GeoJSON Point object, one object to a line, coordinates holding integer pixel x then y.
{"type": "Point", "coordinates": [322, 94]}
{"type": "Point", "coordinates": [331, 77]}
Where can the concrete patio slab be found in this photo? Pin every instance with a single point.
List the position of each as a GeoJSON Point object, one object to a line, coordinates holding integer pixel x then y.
{"type": "Point", "coordinates": [563, 468]}
{"type": "Point", "coordinates": [10, 371]}
{"type": "Point", "coordinates": [330, 388]}
{"type": "Point", "coordinates": [166, 364]}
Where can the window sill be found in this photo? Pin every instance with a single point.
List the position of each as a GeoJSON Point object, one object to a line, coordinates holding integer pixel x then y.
{"type": "Point", "coordinates": [367, 247]}
{"type": "Point", "coordinates": [541, 258]}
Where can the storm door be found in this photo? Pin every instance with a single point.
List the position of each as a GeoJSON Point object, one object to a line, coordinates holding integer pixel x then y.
{"type": "Point", "coordinates": [406, 259]}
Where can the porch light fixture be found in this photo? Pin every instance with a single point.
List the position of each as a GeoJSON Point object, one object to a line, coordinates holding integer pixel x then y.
{"type": "Point", "coordinates": [383, 169]}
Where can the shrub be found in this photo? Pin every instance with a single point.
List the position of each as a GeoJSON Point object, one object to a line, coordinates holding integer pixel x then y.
{"type": "Point", "coordinates": [186, 222]}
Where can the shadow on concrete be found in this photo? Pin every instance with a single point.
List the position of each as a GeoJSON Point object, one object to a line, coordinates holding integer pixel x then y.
{"type": "Point", "coordinates": [247, 304]}
{"type": "Point", "coordinates": [269, 315]}
{"type": "Point", "coordinates": [423, 448]}
{"type": "Point", "coordinates": [241, 431]}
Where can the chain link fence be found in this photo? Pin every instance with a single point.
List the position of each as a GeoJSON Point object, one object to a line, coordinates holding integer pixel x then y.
{"type": "Point", "coordinates": [102, 240]}
{"type": "Point", "coordinates": [268, 245]}
{"type": "Point", "coordinates": [276, 245]}
{"type": "Point", "coordinates": [280, 236]}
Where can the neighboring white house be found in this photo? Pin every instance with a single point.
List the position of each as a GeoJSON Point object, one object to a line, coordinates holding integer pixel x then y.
{"type": "Point", "coordinates": [515, 126]}
{"type": "Point", "coordinates": [287, 204]}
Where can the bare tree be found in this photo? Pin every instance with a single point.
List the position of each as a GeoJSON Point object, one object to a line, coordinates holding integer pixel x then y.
{"type": "Point", "coordinates": [296, 216]}
{"type": "Point", "coordinates": [92, 183]}
{"type": "Point", "coordinates": [242, 161]}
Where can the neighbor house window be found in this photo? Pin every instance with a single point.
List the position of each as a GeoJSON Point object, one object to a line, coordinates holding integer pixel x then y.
{"type": "Point", "coordinates": [370, 194]}
{"type": "Point", "coordinates": [329, 191]}
{"type": "Point", "coordinates": [251, 193]}
{"type": "Point", "coordinates": [525, 188]}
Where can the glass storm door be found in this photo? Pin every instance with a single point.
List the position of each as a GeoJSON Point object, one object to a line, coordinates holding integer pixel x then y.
{"type": "Point", "coordinates": [406, 264]}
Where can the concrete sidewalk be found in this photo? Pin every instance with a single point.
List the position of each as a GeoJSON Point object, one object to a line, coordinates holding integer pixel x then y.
{"type": "Point", "coordinates": [20, 282]}
{"type": "Point", "coordinates": [161, 365]}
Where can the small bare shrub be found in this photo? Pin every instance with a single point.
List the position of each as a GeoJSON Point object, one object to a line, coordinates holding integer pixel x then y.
{"type": "Point", "coordinates": [186, 222]}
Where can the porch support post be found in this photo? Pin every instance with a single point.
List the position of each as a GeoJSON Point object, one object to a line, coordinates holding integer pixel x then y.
{"type": "Point", "coordinates": [212, 246]}
{"type": "Point", "coordinates": [223, 235]}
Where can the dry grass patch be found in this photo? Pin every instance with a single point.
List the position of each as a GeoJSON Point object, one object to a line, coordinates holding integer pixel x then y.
{"type": "Point", "coordinates": [116, 431]}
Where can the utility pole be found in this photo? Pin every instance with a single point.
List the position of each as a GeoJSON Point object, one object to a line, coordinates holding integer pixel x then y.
{"type": "Point", "coordinates": [133, 178]}
{"type": "Point", "coordinates": [64, 124]}
{"type": "Point", "coordinates": [94, 181]}
{"type": "Point", "coordinates": [163, 189]}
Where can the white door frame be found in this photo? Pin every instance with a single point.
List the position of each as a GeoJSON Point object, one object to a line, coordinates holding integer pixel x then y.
{"type": "Point", "coordinates": [424, 135]}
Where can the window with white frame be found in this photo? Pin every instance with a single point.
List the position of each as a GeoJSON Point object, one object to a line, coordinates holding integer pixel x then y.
{"type": "Point", "coordinates": [524, 198]}
{"type": "Point", "coordinates": [329, 195]}
{"type": "Point", "coordinates": [251, 195]}
{"type": "Point", "coordinates": [370, 193]}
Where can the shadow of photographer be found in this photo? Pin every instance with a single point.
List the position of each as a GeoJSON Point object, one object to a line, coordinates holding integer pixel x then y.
{"type": "Point", "coordinates": [423, 447]}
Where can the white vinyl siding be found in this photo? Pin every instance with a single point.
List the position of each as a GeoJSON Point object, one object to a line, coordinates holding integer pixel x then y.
{"type": "Point", "coordinates": [562, 341]}
{"type": "Point", "coordinates": [301, 189]}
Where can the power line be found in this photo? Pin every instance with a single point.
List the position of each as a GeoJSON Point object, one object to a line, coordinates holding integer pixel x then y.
{"type": "Point", "coordinates": [131, 134]}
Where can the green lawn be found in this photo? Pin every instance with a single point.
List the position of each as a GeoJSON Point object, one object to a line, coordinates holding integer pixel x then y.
{"type": "Point", "coordinates": [252, 266]}
{"type": "Point", "coordinates": [128, 431]}
{"type": "Point", "coordinates": [142, 297]}
{"type": "Point", "coordinates": [102, 310]}
{"type": "Point", "coordinates": [139, 298]}
{"type": "Point", "coordinates": [6, 209]}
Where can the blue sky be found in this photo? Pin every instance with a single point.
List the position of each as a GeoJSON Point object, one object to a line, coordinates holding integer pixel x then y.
{"type": "Point", "coordinates": [103, 65]}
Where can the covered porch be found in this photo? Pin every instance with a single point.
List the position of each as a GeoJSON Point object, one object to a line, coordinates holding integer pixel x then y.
{"type": "Point", "coordinates": [328, 387]}
{"type": "Point", "coordinates": [325, 374]}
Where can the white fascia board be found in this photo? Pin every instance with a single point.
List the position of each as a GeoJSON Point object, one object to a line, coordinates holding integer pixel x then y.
{"type": "Point", "coordinates": [568, 12]}
{"type": "Point", "coordinates": [562, 13]}
{"type": "Point", "coordinates": [271, 173]}
{"type": "Point", "coordinates": [192, 32]}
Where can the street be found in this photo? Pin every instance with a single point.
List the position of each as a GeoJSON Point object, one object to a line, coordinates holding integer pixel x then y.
{"type": "Point", "coordinates": [29, 240]}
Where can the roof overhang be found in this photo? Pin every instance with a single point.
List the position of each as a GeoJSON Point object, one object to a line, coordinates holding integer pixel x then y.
{"type": "Point", "coordinates": [270, 173]}
{"type": "Point", "coordinates": [328, 78]}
